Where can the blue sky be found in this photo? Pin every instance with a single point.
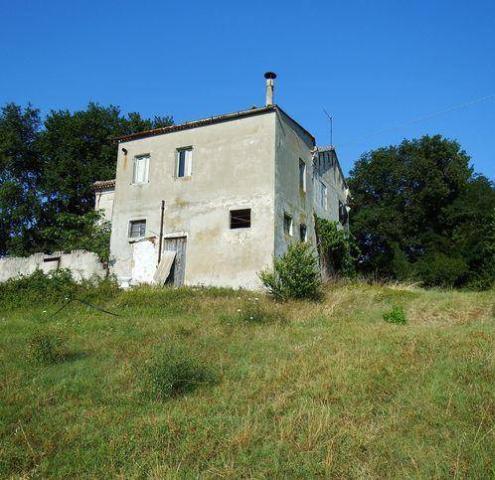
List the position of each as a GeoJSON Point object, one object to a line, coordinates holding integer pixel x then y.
{"type": "Point", "coordinates": [376, 66]}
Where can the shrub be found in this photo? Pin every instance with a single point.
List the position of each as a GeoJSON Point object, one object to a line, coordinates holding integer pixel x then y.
{"type": "Point", "coordinates": [336, 247]}
{"type": "Point", "coordinates": [174, 371]}
{"type": "Point", "coordinates": [397, 315]}
{"type": "Point", "coordinates": [46, 348]}
{"type": "Point", "coordinates": [295, 274]}
{"type": "Point", "coordinates": [41, 288]}
{"type": "Point", "coordinates": [440, 270]}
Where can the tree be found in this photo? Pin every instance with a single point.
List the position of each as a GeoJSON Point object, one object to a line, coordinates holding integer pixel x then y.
{"type": "Point", "coordinates": [417, 211]}
{"type": "Point", "coordinates": [47, 170]}
{"type": "Point", "coordinates": [19, 175]}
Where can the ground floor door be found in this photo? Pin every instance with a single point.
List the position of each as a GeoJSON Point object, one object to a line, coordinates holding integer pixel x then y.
{"type": "Point", "coordinates": [178, 270]}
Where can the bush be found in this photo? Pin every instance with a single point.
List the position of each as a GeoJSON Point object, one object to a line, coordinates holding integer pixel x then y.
{"type": "Point", "coordinates": [440, 270]}
{"type": "Point", "coordinates": [397, 315]}
{"type": "Point", "coordinates": [173, 372]}
{"type": "Point", "coordinates": [41, 288]}
{"type": "Point", "coordinates": [46, 348]}
{"type": "Point", "coordinates": [336, 247]}
{"type": "Point", "coordinates": [295, 274]}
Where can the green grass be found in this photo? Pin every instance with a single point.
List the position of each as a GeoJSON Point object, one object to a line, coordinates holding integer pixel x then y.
{"type": "Point", "coordinates": [301, 390]}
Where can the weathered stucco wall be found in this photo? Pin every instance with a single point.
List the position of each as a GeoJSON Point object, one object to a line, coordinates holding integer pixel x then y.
{"type": "Point", "coordinates": [233, 168]}
{"type": "Point", "coordinates": [82, 264]}
{"type": "Point", "coordinates": [292, 144]}
{"type": "Point", "coordinates": [104, 203]}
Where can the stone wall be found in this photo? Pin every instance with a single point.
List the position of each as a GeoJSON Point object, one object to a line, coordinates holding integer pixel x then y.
{"type": "Point", "coordinates": [82, 264]}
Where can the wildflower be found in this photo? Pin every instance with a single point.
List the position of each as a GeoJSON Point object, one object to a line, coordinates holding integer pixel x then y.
{"type": "Point", "coordinates": [238, 309]}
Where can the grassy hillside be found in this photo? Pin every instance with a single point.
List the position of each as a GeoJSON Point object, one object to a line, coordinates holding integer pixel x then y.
{"type": "Point", "coordinates": [298, 390]}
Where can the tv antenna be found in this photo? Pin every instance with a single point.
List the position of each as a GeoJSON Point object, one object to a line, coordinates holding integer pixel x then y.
{"type": "Point", "coordinates": [330, 118]}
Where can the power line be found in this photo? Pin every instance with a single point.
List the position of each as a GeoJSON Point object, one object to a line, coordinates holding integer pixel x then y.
{"type": "Point", "coordinates": [423, 118]}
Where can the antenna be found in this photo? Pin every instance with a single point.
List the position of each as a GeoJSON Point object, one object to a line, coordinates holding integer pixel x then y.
{"type": "Point", "coordinates": [331, 126]}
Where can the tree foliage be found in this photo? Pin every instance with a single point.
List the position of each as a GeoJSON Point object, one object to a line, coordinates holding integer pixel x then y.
{"type": "Point", "coordinates": [419, 211]}
{"type": "Point", "coordinates": [47, 168]}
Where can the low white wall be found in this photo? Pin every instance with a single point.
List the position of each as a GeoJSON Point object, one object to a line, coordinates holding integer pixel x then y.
{"type": "Point", "coordinates": [82, 264]}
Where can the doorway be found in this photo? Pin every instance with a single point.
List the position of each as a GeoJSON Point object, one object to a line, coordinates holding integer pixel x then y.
{"type": "Point", "coordinates": [178, 269]}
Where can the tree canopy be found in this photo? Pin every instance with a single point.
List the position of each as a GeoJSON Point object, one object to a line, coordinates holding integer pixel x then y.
{"type": "Point", "coordinates": [420, 212]}
{"type": "Point", "coordinates": [48, 166]}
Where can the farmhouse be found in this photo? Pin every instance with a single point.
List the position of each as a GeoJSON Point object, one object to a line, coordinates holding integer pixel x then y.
{"type": "Point", "coordinates": [213, 201]}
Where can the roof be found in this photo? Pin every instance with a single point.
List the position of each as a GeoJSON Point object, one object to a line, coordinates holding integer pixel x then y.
{"type": "Point", "coordinates": [208, 121]}
{"type": "Point", "coordinates": [331, 148]}
{"type": "Point", "coordinates": [103, 185]}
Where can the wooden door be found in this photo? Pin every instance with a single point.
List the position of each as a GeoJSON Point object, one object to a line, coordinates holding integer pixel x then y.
{"type": "Point", "coordinates": [178, 270]}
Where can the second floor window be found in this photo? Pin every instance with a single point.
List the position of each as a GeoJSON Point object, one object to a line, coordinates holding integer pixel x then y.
{"type": "Point", "coordinates": [184, 162]}
{"type": "Point", "coordinates": [288, 228]}
{"type": "Point", "coordinates": [323, 196]}
{"type": "Point", "coordinates": [141, 169]}
{"type": "Point", "coordinates": [302, 175]}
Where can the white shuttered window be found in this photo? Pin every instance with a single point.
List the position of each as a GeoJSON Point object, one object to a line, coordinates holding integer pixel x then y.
{"type": "Point", "coordinates": [141, 169]}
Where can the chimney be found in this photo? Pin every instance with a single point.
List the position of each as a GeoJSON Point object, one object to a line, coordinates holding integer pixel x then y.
{"type": "Point", "coordinates": [270, 87]}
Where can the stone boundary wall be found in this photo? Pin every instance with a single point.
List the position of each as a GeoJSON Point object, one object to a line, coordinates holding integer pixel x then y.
{"type": "Point", "coordinates": [82, 264]}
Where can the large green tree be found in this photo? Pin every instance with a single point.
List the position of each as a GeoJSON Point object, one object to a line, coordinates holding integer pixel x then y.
{"type": "Point", "coordinates": [47, 169]}
{"type": "Point", "coordinates": [419, 211]}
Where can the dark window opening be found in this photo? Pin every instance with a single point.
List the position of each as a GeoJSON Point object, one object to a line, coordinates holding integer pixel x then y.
{"type": "Point", "coordinates": [302, 232]}
{"type": "Point", "coordinates": [240, 218]}
{"type": "Point", "coordinates": [287, 224]}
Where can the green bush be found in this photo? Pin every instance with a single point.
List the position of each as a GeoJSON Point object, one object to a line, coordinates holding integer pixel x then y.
{"type": "Point", "coordinates": [59, 285]}
{"type": "Point", "coordinates": [397, 315]}
{"type": "Point", "coordinates": [46, 348]}
{"type": "Point", "coordinates": [440, 270]}
{"type": "Point", "coordinates": [295, 274]}
{"type": "Point", "coordinates": [336, 247]}
{"type": "Point", "coordinates": [173, 372]}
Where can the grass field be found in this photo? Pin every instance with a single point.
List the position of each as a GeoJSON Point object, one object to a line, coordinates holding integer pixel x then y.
{"type": "Point", "coordinates": [300, 390]}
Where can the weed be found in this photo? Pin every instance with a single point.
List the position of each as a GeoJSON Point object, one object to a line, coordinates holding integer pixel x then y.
{"type": "Point", "coordinates": [46, 348]}
{"type": "Point", "coordinates": [397, 315]}
{"type": "Point", "coordinates": [174, 371]}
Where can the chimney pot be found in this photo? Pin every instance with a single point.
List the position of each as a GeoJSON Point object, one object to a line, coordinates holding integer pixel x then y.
{"type": "Point", "coordinates": [270, 87]}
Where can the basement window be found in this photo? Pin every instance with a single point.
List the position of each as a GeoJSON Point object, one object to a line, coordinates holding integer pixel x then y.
{"type": "Point", "coordinates": [303, 234]}
{"type": "Point", "coordinates": [240, 218]}
{"type": "Point", "coordinates": [288, 227]}
{"type": "Point", "coordinates": [137, 228]}
{"type": "Point", "coordinates": [302, 175]}
{"type": "Point", "coordinates": [184, 162]}
{"type": "Point", "coordinates": [141, 169]}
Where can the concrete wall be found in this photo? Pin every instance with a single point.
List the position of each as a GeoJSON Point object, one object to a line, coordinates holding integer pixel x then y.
{"type": "Point", "coordinates": [104, 203]}
{"type": "Point", "coordinates": [82, 264]}
{"type": "Point", "coordinates": [292, 144]}
{"type": "Point", "coordinates": [233, 168]}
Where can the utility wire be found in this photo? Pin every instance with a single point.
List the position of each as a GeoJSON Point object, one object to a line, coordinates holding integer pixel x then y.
{"type": "Point", "coordinates": [423, 118]}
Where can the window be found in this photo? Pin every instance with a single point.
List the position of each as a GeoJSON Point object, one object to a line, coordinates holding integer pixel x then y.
{"type": "Point", "coordinates": [343, 214]}
{"type": "Point", "coordinates": [137, 228]}
{"type": "Point", "coordinates": [302, 175]}
{"type": "Point", "coordinates": [240, 218]}
{"type": "Point", "coordinates": [288, 225]}
{"type": "Point", "coordinates": [141, 169]}
{"type": "Point", "coordinates": [184, 162]}
{"type": "Point", "coordinates": [323, 196]}
{"type": "Point", "coordinates": [302, 232]}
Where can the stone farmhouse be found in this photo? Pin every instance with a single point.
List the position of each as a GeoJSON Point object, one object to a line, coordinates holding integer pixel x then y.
{"type": "Point", "coordinates": [213, 201]}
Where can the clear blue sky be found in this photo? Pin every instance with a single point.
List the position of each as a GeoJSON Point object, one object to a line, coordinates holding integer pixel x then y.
{"type": "Point", "coordinates": [376, 66]}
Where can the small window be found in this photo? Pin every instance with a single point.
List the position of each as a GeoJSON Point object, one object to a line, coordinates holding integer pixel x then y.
{"type": "Point", "coordinates": [137, 228]}
{"type": "Point", "coordinates": [323, 196]}
{"type": "Point", "coordinates": [240, 218]}
{"type": "Point", "coordinates": [288, 229]}
{"type": "Point", "coordinates": [184, 162]}
{"type": "Point", "coordinates": [302, 232]}
{"type": "Point", "coordinates": [302, 175]}
{"type": "Point", "coordinates": [141, 169]}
